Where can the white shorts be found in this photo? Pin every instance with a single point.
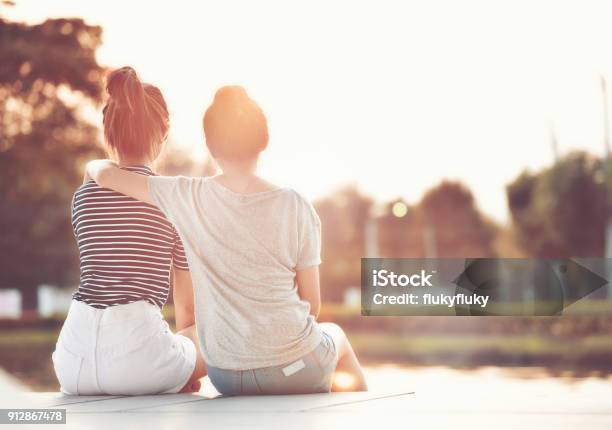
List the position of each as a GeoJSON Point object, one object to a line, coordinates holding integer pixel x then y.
{"type": "Point", "coordinates": [121, 350]}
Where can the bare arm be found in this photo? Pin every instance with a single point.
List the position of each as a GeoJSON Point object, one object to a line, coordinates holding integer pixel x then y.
{"type": "Point", "coordinates": [108, 175]}
{"type": "Point", "coordinates": [309, 288]}
{"type": "Point", "coordinates": [183, 299]}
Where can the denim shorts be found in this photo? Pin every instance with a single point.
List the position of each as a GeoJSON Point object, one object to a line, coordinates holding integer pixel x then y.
{"type": "Point", "coordinates": [310, 374]}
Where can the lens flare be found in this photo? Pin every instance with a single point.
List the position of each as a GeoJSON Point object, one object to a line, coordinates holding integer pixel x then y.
{"type": "Point", "coordinates": [344, 381]}
{"type": "Point", "coordinates": [399, 209]}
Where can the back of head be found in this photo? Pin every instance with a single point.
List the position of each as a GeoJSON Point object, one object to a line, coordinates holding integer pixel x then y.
{"type": "Point", "coordinates": [235, 126]}
{"type": "Point", "coordinates": [136, 119]}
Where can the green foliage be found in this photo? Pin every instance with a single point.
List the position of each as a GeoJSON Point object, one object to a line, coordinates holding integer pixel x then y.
{"type": "Point", "coordinates": [561, 211]}
{"type": "Point", "coordinates": [48, 75]}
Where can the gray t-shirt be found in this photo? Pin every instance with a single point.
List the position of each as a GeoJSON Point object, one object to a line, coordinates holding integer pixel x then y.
{"type": "Point", "coordinates": [243, 251]}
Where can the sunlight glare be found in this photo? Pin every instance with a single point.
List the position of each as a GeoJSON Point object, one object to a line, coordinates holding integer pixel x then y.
{"type": "Point", "coordinates": [399, 209]}
{"type": "Point", "coordinates": [343, 380]}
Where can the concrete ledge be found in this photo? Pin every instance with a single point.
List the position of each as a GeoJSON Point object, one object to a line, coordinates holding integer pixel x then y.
{"type": "Point", "coordinates": [198, 403]}
{"type": "Point", "coordinates": [427, 398]}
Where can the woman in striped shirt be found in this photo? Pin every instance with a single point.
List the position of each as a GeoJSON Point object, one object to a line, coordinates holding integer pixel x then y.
{"type": "Point", "coordinates": [115, 340]}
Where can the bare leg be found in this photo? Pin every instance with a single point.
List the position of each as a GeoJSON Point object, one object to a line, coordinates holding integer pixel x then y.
{"type": "Point", "coordinates": [193, 385]}
{"type": "Point", "coordinates": [347, 360]}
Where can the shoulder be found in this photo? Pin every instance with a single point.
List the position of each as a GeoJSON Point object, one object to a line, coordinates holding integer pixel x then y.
{"type": "Point", "coordinates": [91, 196]}
{"type": "Point", "coordinates": [176, 183]}
{"type": "Point", "coordinates": [88, 188]}
{"type": "Point", "coordinates": [290, 195]}
{"type": "Point", "coordinates": [298, 197]}
{"type": "Point", "coordinates": [173, 194]}
{"type": "Point", "coordinates": [141, 170]}
{"type": "Point", "coordinates": [304, 207]}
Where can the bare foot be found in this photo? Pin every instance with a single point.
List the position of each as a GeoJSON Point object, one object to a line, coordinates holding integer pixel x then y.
{"type": "Point", "coordinates": [192, 387]}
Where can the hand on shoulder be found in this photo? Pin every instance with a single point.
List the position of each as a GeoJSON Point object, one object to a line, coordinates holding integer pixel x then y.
{"type": "Point", "coordinates": [94, 168]}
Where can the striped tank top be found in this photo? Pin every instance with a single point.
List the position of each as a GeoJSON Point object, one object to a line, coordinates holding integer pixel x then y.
{"type": "Point", "coordinates": [127, 248]}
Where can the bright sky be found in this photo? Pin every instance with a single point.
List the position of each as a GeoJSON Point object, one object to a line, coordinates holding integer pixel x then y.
{"type": "Point", "coordinates": [391, 96]}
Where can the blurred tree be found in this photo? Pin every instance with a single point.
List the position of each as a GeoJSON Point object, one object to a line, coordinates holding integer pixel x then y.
{"type": "Point", "coordinates": [446, 223]}
{"type": "Point", "coordinates": [399, 235]}
{"type": "Point", "coordinates": [48, 77]}
{"type": "Point", "coordinates": [343, 217]}
{"type": "Point", "coordinates": [456, 227]}
{"type": "Point", "coordinates": [175, 160]}
{"type": "Point", "coordinates": [506, 243]}
{"type": "Point", "coordinates": [561, 211]}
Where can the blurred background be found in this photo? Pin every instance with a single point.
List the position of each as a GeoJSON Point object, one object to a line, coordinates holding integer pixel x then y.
{"type": "Point", "coordinates": [419, 129]}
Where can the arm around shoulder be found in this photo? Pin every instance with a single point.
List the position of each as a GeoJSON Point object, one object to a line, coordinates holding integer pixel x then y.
{"type": "Point", "coordinates": [108, 175]}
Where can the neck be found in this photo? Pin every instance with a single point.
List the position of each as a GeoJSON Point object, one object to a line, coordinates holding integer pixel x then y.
{"type": "Point", "coordinates": [237, 180]}
{"type": "Point", "coordinates": [133, 161]}
{"type": "Point", "coordinates": [238, 170]}
{"type": "Point", "coordinates": [238, 177]}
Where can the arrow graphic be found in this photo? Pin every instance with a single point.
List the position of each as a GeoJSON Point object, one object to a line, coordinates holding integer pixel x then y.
{"type": "Point", "coordinates": [537, 287]}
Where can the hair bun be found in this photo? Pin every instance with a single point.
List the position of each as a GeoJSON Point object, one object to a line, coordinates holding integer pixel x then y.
{"type": "Point", "coordinates": [231, 93]}
{"type": "Point", "coordinates": [123, 85]}
{"type": "Point", "coordinates": [235, 127]}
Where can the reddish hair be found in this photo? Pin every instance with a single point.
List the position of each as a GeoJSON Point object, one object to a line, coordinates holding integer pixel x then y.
{"type": "Point", "coordinates": [136, 119]}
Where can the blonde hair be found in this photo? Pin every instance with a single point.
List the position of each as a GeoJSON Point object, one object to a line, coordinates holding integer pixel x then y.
{"type": "Point", "coordinates": [235, 127]}
{"type": "Point", "coordinates": [136, 119]}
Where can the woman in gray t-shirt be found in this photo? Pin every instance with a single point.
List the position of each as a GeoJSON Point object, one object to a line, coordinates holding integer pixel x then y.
{"type": "Point", "coordinates": [254, 254]}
